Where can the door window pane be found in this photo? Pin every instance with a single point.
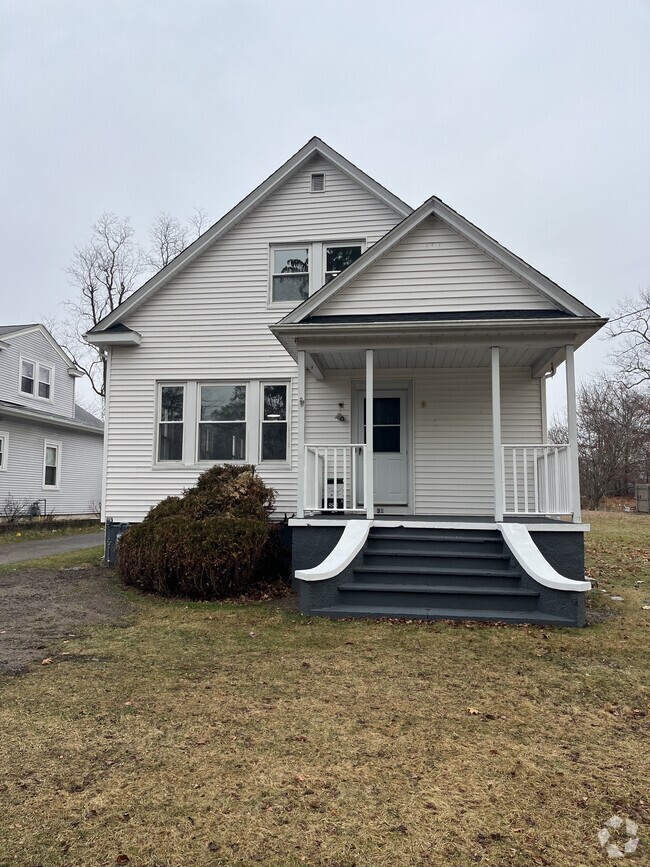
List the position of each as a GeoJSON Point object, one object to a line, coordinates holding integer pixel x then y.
{"type": "Point", "coordinates": [387, 424]}
{"type": "Point", "coordinates": [386, 439]}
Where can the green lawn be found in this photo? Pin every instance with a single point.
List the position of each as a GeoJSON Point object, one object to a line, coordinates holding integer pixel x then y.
{"type": "Point", "coordinates": [236, 735]}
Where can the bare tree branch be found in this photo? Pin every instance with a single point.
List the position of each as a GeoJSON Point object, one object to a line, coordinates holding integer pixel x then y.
{"type": "Point", "coordinates": [631, 331]}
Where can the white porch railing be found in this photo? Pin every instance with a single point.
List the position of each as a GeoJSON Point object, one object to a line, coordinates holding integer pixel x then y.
{"type": "Point", "coordinates": [536, 479]}
{"type": "Point", "coordinates": [334, 478]}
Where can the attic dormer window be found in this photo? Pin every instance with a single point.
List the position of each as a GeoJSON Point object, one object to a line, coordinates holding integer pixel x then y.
{"type": "Point", "coordinates": [36, 379]}
{"type": "Point", "coordinates": [318, 182]}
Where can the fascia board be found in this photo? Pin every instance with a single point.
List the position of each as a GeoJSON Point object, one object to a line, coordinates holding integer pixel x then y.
{"type": "Point", "coordinates": [550, 290]}
{"type": "Point", "coordinates": [50, 420]}
{"type": "Point", "coordinates": [114, 338]}
{"type": "Point", "coordinates": [239, 212]}
{"type": "Point", "coordinates": [4, 345]}
{"type": "Point", "coordinates": [573, 331]}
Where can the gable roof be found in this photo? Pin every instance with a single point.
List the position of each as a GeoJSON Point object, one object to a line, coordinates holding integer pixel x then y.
{"type": "Point", "coordinates": [435, 207]}
{"type": "Point", "coordinates": [314, 147]}
{"type": "Point", "coordinates": [16, 330]}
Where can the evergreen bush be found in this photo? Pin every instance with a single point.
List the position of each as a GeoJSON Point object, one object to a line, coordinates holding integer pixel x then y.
{"type": "Point", "coordinates": [215, 541]}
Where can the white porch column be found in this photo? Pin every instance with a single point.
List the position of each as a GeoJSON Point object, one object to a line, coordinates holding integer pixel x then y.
{"type": "Point", "coordinates": [497, 451]}
{"type": "Point", "coordinates": [368, 464]}
{"type": "Point", "coordinates": [572, 428]}
{"type": "Point", "coordinates": [301, 434]}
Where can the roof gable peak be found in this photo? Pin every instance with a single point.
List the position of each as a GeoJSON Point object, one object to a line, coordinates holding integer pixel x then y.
{"type": "Point", "coordinates": [315, 146]}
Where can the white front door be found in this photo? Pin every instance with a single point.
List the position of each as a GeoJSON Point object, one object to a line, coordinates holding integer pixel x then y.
{"type": "Point", "coordinates": [390, 442]}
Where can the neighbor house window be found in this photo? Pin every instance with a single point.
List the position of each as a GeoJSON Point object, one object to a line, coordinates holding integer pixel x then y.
{"type": "Point", "coordinates": [44, 382]}
{"type": "Point", "coordinates": [27, 372]}
{"type": "Point", "coordinates": [170, 423]}
{"type": "Point", "coordinates": [338, 257]}
{"type": "Point", "coordinates": [4, 442]}
{"type": "Point", "coordinates": [274, 423]}
{"type": "Point", "coordinates": [222, 423]}
{"type": "Point", "coordinates": [36, 379]}
{"type": "Point", "coordinates": [51, 465]}
{"type": "Point", "coordinates": [290, 277]}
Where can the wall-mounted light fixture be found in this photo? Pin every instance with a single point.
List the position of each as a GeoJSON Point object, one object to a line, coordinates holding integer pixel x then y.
{"type": "Point", "coordinates": [339, 415]}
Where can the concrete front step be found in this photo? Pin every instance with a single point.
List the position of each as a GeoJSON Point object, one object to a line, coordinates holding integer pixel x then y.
{"type": "Point", "coordinates": [375, 612]}
{"type": "Point", "coordinates": [440, 596]}
{"type": "Point", "coordinates": [421, 542]}
{"type": "Point", "coordinates": [442, 558]}
{"type": "Point", "coordinates": [438, 571]}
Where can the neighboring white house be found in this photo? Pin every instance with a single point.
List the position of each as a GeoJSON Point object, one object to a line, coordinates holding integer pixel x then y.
{"type": "Point", "coordinates": [263, 341]}
{"type": "Point", "coordinates": [50, 448]}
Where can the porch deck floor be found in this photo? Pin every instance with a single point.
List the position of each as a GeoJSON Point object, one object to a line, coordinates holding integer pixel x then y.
{"type": "Point", "coordinates": [438, 519]}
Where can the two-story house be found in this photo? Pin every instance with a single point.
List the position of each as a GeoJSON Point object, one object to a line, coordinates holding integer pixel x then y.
{"type": "Point", "coordinates": [384, 369]}
{"type": "Point", "coordinates": [50, 448]}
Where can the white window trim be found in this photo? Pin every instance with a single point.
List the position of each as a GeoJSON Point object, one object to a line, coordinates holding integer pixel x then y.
{"type": "Point", "coordinates": [4, 452]}
{"type": "Point", "coordinates": [51, 444]}
{"type": "Point", "coordinates": [37, 365]}
{"type": "Point", "coordinates": [317, 264]}
{"type": "Point", "coordinates": [287, 384]}
{"type": "Point", "coordinates": [158, 422]}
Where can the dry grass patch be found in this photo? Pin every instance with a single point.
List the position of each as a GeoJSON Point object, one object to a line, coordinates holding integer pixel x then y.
{"type": "Point", "coordinates": [223, 735]}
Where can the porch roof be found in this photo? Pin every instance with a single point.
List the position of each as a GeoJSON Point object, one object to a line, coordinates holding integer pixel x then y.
{"type": "Point", "coordinates": [437, 340]}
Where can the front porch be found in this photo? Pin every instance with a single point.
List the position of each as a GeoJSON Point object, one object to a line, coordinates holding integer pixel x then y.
{"type": "Point", "coordinates": [427, 422]}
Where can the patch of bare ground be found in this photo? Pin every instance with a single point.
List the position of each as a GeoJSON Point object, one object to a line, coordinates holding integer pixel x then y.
{"type": "Point", "coordinates": [43, 606]}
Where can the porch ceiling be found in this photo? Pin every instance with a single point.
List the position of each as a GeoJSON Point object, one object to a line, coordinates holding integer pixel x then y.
{"type": "Point", "coordinates": [445, 357]}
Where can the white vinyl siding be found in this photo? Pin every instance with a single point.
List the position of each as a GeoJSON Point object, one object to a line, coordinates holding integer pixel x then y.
{"type": "Point", "coordinates": [80, 467]}
{"type": "Point", "coordinates": [434, 270]}
{"type": "Point", "coordinates": [34, 347]}
{"type": "Point", "coordinates": [452, 428]}
{"type": "Point", "coordinates": [211, 323]}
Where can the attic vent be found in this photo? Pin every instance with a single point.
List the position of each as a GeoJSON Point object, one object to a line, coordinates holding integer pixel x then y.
{"type": "Point", "coordinates": [318, 182]}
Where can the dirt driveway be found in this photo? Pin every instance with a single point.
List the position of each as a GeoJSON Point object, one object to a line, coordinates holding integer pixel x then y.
{"type": "Point", "coordinates": [41, 606]}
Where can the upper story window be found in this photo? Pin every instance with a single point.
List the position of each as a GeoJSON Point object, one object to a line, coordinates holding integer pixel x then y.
{"type": "Point", "coordinates": [290, 281]}
{"type": "Point", "coordinates": [338, 257]}
{"type": "Point", "coordinates": [36, 379]}
{"type": "Point", "coordinates": [298, 270]}
{"type": "Point", "coordinates": [170, 423]}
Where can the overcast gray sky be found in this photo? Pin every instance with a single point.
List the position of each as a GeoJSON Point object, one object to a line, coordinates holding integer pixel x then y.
{"type": "Point", "coordinates": [530, 118]}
